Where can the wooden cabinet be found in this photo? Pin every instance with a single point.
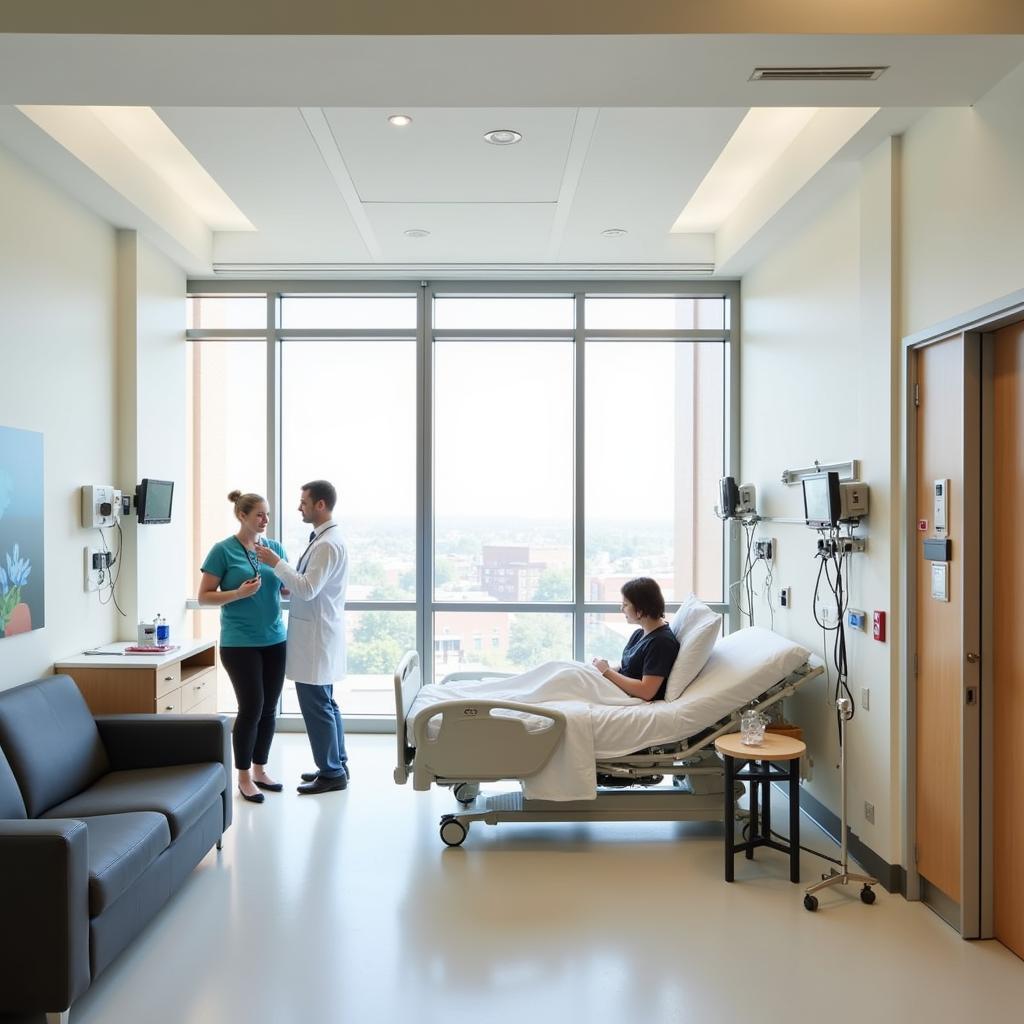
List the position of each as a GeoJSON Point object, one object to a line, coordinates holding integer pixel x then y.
{"type": "Point", "coordinates": [181, 682]}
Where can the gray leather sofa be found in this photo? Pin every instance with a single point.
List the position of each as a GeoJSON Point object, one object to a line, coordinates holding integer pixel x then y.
{"type": "Point", "coordinates": [101, 820]}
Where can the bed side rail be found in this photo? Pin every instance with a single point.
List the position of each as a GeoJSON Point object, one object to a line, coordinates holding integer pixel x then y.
{"type": "Point", "coordinates": [408, 680]}
{"type": "Point", "coordinates": [473, 743]}
{"type": "Point", "coordinates": [663, 761]}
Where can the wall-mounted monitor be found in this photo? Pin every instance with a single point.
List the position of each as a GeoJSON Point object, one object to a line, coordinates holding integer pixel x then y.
{"type": "Point", "coordinates": [728, 497]}
{"type": "Point", "coordinates": [821, 500]}
{"type": "Point", "coordinates": [153, 500]}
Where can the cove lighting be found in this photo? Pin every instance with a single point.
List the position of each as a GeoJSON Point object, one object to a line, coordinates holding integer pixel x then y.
{"type": "Point", "coordinates": [761, 138]}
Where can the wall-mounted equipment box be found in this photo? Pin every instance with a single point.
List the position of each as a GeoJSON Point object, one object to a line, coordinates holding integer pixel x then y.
{"type": "Point", "coordinates": [938, 549]}
{"type": "Point", "coordinates": [101, 505]}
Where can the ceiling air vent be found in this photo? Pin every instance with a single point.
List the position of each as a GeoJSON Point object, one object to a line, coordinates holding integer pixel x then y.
{"type": "Point", "coordinates": [811, 74]}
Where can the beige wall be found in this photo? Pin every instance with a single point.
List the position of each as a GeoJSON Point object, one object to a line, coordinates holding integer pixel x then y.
{"type": "Point", "coordinates": [91, 355]}
{"type": "Point", "coordinates": [931, 230]}
{"type": "Point", "coordinates": [57, 344]}
{"type": "Point", "coordinates": [816, 355]}
{"type": "Point", "coordinates": [963, 206]}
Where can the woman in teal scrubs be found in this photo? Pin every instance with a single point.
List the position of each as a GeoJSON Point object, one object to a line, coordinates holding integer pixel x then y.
{"type": "Point", "coordinates": [252, 637]}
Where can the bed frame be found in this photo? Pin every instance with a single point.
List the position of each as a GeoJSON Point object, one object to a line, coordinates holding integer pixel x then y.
{"type": "Point", "coordinates": [473, 745]}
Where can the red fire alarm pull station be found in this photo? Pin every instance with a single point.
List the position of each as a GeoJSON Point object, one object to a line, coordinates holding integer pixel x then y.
{"type": "Point", "coordinates": [878, 626]}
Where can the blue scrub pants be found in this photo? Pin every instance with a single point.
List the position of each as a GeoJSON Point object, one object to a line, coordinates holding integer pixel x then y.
{"type": "Point", "coordinates": [324, 727]}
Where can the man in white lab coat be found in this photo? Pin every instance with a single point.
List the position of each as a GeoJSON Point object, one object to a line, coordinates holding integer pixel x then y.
{"type": "Point", "coordinates": [315, 657]}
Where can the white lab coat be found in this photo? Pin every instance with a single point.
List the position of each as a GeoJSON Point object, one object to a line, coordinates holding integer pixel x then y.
{"type": "Point", "coordinates": [316, 616]}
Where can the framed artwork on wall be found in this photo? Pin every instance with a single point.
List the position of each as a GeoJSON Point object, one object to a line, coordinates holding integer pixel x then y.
{"type": "Point", "coordinates": [22, 601]}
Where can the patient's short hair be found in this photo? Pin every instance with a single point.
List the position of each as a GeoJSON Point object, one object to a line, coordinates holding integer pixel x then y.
{"type": "Point", "coordinates": [321, 490]}
{"type": "Point", "coordinates": [644, 595]}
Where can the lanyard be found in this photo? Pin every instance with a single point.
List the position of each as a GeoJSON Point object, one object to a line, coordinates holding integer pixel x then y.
{"type": "Point", "coordinates": [309, 546]}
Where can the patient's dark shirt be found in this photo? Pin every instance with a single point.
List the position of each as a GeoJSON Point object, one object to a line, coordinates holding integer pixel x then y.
{"type": "Point", "coordinates": [650, 655]}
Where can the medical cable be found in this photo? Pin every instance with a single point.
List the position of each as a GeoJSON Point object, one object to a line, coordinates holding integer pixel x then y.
{"type": "Point", "coordinates": [785, 839]}
{"type": "Point", "coordinates": [113, 568]}
{"type": "Point", "coordinates": [832, 553]}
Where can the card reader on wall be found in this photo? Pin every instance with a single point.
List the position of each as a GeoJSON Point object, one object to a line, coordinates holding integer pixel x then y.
{"type": "Point", "coordinates": [938, 549]}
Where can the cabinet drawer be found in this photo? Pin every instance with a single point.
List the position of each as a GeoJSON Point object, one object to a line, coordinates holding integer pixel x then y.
{"type": "Point", "coordinates": [207, 706]}
{"type": "Point", "coordinates": [169, 703]}
{"type": "Point", "coordinates": [197, 689]}
{"type": "Point", "coordinates": [168, 678]}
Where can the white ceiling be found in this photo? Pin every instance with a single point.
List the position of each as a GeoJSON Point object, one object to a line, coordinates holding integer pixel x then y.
{"type": "Point", "coordinates": [618, 132]}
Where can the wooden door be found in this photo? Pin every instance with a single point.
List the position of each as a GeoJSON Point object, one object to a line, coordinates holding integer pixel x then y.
{"type": "Point", "coordinates": [940, 656]}
{"type": "Point", "coordinates": [1008, 638]}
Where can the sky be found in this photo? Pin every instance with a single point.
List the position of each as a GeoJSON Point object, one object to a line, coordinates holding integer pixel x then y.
{"type": "Point", "coordinates": [503, 410]}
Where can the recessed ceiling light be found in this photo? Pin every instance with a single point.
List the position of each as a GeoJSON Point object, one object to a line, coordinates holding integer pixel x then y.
{"type": "Point", "coordinates": [614, 232]}
{"type": "Point", "coordinates": [400, 120]}
{"type": "Point", "coordinates": [416, 233]}
{"type": "Point", "coordinates": [503, 137]}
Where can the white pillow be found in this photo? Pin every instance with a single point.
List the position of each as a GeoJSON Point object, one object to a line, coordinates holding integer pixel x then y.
{"type": "Point", "coordinates": [756, 655]}
{"type": "Point", "coordinates": [696, 628]}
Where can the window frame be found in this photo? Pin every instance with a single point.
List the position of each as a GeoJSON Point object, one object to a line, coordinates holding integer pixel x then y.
{"type": "Point", "coordinates": [425, 334]}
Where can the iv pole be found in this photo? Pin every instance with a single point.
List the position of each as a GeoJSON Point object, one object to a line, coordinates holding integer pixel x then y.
{"type": "Point", "coordinates": [843, 877]}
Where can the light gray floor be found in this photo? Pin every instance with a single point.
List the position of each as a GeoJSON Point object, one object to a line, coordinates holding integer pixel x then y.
{"type": "Point", "coordinates": [347, 908]}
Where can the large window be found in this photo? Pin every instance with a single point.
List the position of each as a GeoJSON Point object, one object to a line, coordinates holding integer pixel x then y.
{"type": "Point", "coordinates": [505, 457]}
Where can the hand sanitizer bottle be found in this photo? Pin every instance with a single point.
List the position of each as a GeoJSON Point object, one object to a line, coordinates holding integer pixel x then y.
{"type": "Point", "coordinates": [163, 631]}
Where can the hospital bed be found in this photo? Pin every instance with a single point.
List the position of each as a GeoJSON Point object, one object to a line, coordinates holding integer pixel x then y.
{"type": "Point", "coordinates": [461, 743]}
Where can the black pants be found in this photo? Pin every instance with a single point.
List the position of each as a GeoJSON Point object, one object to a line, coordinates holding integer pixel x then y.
{"type": "Point", "coordinates": [257, 675]}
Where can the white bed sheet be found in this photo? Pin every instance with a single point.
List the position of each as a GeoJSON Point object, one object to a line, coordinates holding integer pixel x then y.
{"type": "Point", "coordinates": [742, 666]}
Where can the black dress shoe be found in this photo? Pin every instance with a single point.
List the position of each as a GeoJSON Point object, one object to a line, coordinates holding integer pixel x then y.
{"type": "Point", "coordinates": [322, 785]}
{"type": "Point", "coordinates": [256, 798]}
{"type": "Point", "coordinates": [310, 776]}
{"type": "Point", "coordinates": [271, 787]}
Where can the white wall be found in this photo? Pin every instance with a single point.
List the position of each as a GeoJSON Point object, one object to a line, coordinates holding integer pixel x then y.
{"type": "Point", "coordinates": [92, 356]}
{"type": "Point", "coordinates": [153, 432]}
{"type": "Point", "coordinates": [816, 384]}
{"type": "Point", "coordinates": [57, 345]}
{"type": "Point", "coordinates": [963, 206]}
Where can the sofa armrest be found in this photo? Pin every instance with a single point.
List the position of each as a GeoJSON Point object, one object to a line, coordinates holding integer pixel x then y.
{"type": "Point", "coordinates": [44, 913]}
{"type": "Point", "coordinates": [157, 741]}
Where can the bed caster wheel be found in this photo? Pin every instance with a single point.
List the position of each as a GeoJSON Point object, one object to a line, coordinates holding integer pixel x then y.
{"type": "Point", "coordinates": [453, 832]}
{"type": "Point", "coordinates": [867, 895]}
{"type": "Point", "coordinates": [810, 903]}
{"type": "Point", "coordinates": [466, 792]}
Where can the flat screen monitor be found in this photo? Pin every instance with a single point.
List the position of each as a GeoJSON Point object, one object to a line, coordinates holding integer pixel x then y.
{"type": "Point", "coordinates": [153, 499]}
{"type": "Point", "coordinates": [821, 500]}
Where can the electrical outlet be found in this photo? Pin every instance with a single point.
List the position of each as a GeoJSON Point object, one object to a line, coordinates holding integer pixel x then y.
{"type": "Point", "coordinates": [808, 767]}
{"type": "Point", "coordinates": [827, 614]}
{"type": "Point", "coordinates": [785, 597]}
{"type": "Point", "coordinates": [95, 573]}
{"type": "Point", "coordinates": [869, 812]}
{"type": "Point", "coordinates": [765, 549]}
{"type": "Point", "coordinates": [865, 699]}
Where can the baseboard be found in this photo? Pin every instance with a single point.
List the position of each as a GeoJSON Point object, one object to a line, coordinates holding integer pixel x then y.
{"type": "Point", "coordinates": [892, 876]}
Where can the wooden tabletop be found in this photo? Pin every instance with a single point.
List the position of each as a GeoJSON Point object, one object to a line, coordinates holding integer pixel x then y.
{"type": "Point", "coordinates": [774, 748]}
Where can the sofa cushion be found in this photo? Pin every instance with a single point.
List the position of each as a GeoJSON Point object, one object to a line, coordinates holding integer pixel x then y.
{"type": "Point", "coordinates": [51, 741]}
{"type": "Point", "coordinates": [11, 804]}
{"type": "Point", "coordinates": [180, 792]}
{"type": "Point", "coordinates": [121, 847]}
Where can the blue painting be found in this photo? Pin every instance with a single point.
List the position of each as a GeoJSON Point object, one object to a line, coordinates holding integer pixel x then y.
{"type": "Point", "coordinates": [22, 602]}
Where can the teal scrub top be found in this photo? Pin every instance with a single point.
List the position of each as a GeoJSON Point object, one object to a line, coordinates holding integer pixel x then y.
{"type": "Point", "coordinates": [254, 621]}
